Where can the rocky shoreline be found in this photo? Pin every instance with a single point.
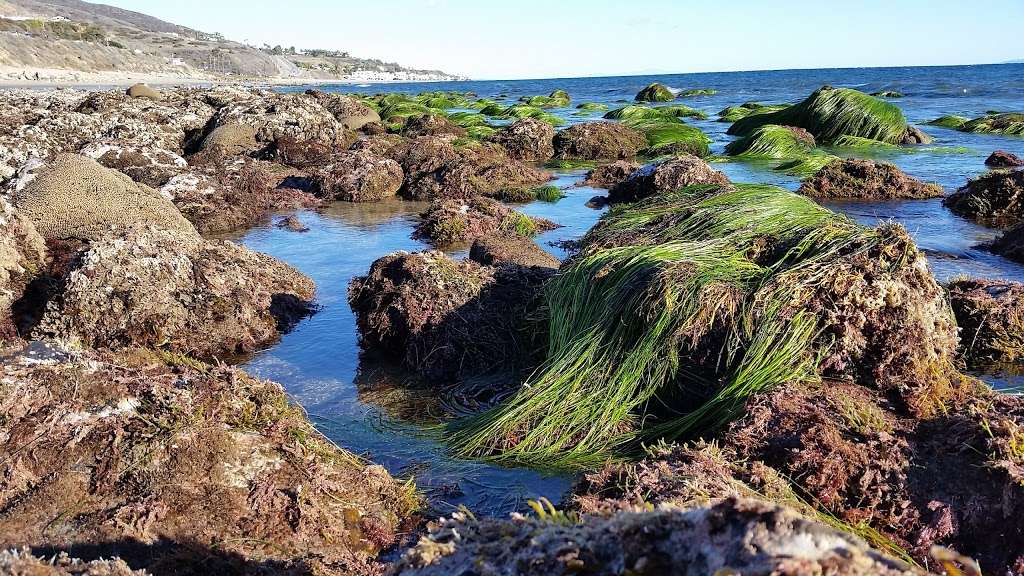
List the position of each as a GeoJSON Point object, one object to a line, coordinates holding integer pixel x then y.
{"type": "Point", "coordinates": [733, 369]}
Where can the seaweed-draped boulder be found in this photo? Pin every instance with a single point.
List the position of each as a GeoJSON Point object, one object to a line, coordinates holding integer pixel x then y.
{"type": "Point", "coordinates": [527, 139]}
{"type": "Point", "coordinates": [181, 468]}
{"type": "Point", "coordinates": [655, 93]}
{"type": "Point", "coordinates": [667, 176]}
{"type": "Point", "coordinates": [431, 125]}
{"type": "Point", "coordinates": [22, 257]}
{"type": "Point", "coordinates": [993, 199]}
{"type": "Point", "coordinates": [598, 141]}
{"type": "Point", "coordinates": [770, 141]}
{"type": "Point", "coordinates": [165, 290]}
{"type": "Point", "coordinates": [358, 176]}
{"type": "Point", "coordinates": [868, 180]}
{"type": "Point", "coordinates": [458, 221]}
{"type": "Point", "coordinates": [830, 112]}
{"type": "Point", "coordinates": [74, 197]}
{"type": "Point", "coordinates": [733, 536]}
{"type": "Point", "coordinates": [1008, 123]}
{"type": "Point", "coordinates": [991, 318]}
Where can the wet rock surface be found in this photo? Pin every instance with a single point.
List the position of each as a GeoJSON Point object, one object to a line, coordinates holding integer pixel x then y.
{"type": "Point", "coordinates": [734, 536]}
{"type": "Point", "coordinates": [1003, 159]}
{"type": "Point", "coordinates": [527, 139]}
{"type": "Point", "coordinates": [1011, 243]}
{"type": "Point", "coordinates": [666, 176]}
{"type": "Point", "coordinates": [991, 319]}
{"type": "Point", "coordinates": [180, 468]}
{"type": "Point", "coordinates": [608, 175]}
{"type": "Point", "coordinates": [599, 141]}
{"type": "Point", "coordinates": [866, 180]}
{"type": "Point", "coordinates": [448, 222]}
{"type": "Point", "coordinates": [994, 199]}
{"type": "Point", "coordinates": [358, 176]}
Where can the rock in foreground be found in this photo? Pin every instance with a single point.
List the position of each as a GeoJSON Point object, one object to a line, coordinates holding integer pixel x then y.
{"type": "Point", "coordinates": [734, 536]}
{"type": "Point", "coordinates": [866, 180]}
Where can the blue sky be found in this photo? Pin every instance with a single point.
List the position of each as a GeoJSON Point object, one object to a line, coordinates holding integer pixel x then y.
{"type": "Point", "coordinates": [561, 38]}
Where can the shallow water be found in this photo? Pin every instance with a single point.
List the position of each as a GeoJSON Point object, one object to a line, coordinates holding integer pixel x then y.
{"type": "Point", "coordinates": [318, 362]}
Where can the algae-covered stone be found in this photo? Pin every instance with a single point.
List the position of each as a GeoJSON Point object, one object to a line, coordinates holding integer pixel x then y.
{"type": "Point", "coordinates": [297, 115]}
{"type": "Point", "coordinates": [994, 199]}
{"type": "Point", "coordinates": [866, 180]}
{"type": "Point", "coordinates": [655, 93]}
{"type": "Point", "coordinates": [527, 139]}
{"type": "Point", "coordinates": [671, 137]}
{"type": "Point", "coordinates": [74, 197]}
{"type": "Point", "coordinates": [158, 289]}
{"type": "Point", "coordinates": [492, 251]}
{"type": "Point", "coordinates": [358, 176]}
{"type": "Point", "coordinates": [233, 139]}
{"type": "Point", "coordinates": [456, 221]}
{"type": "Point", "coordinates": [770, 141]}
{"type": "Point", "coordinates": [431, 125]}
{"type": "Point", "coordinates": [598, 141]}
{"type": "Point", "coordinates": [349, 111]}
{"type": "Point", "coordinates": [949, 121]}
{"type": "Point", "coordinates": [1003, 159]}
{"type": "Point", "coordinates": [608, 175]}
{"type": "Point", "coordinates": [1009, 123]}
{"type": "Point", "coordinates": [666, 176]}
{"type": "Point", "coordinates": [991, 318]}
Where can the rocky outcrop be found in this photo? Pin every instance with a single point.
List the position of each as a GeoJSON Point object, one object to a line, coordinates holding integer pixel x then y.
{"type": "Point", "coordinates": [655, 93]}
{"type": "Point", "coordinates": [458, 221]}
{"type": "Point", "coordinates": [1003, 159]}
{"type": "Point", "coordinates": [431, 125]}
{"type": "Point", "coordinates": [351, 113]}
{"type": "Point", "coordinates": [24, 563]}
{"type": "Point", "coordinates": [994, 199]}
{"type": "Point", "coordinates": [990, 314]}
{"type": "Point", "coordinates": [74, 197]}
{"type": "Point", "coordinates": [147, 165]}
{"type": "Point", "coordinates": [157, 289]}
{"type": "Point", "coordinates": [297, 115]}
{"type": "Point", "coordinates": [734, 536]}
{"type": "Point", "coordinates": [598, 141]}
{"type": "Point", "coordinates": [181, 468]}
{"type": "Point", "coordinates": [667, 176]}
{"type": "Point", "coordinates": [866, 180]}
{"type": "Point", "coordinates": [527, 139]}
{"type": "Point", "coordinates": [358, 176]}
{"type": "Point", "coordinates": [609, 175]}
{"type": "Point", "coordinates": [491, 251]}
{"type": "Point", "coordinates": [449, 320]}
{"type": "Point", "coordinates": [22, 255]}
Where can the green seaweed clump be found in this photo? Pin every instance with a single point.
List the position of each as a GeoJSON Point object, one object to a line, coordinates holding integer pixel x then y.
{"type": "Point", "coordinates": [655, 93]}
{"type": "Point", "coordinates": [770, 141]}
{"type": "Point", "coordinates": [638, 112]}
{"type": "Point", "coordinates": [690, 93]}
{"type": "Point", "coordinates": [557, 99]}
{"type": "Point", "coordinates": [734, 113]}
{"type": "Point", "coordinates": [405, 109]}
{"type": "Point", "coordinates": [592, 107]}
{"type": "Point", "coordinates": [1008, 123]}
{"type": "Point", "coordinates": [830, 112]}
{"type": "Point", "coordinates": [548, 193]}
{"type": "Point", "coordinates": [667, 135]}
{"type": "Point", "coordinates": [950, 121]}
{"type": "Point", "coordinates": [517, 111]}
{"type": "Point", "coordinates": [887, 94]}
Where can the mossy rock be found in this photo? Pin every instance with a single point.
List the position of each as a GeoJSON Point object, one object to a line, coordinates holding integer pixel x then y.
{"type": "Point", "coordinates": [692, 92]}
{"type": "Point", "coordinates": [655, 93]}
{"type": "Point", "coordinates": [770, 141]}
{"type": "Point", "coordinates": [557, 99]}
{"type": "Point", "coordinates": [1009, 123]}
{"type": "Point", "coordinates": [830, 112]}
{"type": "Point", "coordinates": [734, 113]}
{"type": "Point", "coordinates": [592, 107]}
{"type": "Point", "coordinates": [639, 112]}
{"type": "Point", "coordinates": [670, 136]}
{"type": "Point", "coordinates": [950, 121]}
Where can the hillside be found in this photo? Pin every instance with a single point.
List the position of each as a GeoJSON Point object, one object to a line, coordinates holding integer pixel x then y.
{"type": "Point", "coordinates": [76, 41]}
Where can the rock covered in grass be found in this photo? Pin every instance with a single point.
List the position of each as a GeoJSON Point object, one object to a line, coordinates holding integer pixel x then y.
{"type": "Point", "coordinates": [447, 319]}
{"type": "Point", "coordinates": [994, 199]}
{"type": "Point", "coordinates": [492, 251]}
{"type": "Point", "coordinates": [457, 221]}
{"type": "Point", "coordinates": [1009, 123]}
{"type": "Point", "coordinates": [669, 136]}
{"type": "Point", "coordinates": [771, 141]}
{"type": "Point", "coordinates": [598, 141]}
{"type": "Point", "coordinates": [990, 314]}
{"type": "Point", "coordinates": [866, 180]}
{"type": "Point", "coordinates": [829, 113]}
{"type": "Point", "coordinates": [655, 93]}
{"type": "Point", "coordinates": [358, 176]}
{"type": "Point", "coordinates": [734, 536]}
{"type": "Point", "coordinates": [435, 168]}
{"type": "Point", "coordinates": [609, 175]}
{"type": "Point", "coordinates": [527, 139]}
{"type": "Point", "coordinates": [666, 176]}
{"type": "Point", "coordinates": [1010, 244]}
{"type": "Point", "coordinates": [157, 288]}
{"type": "Point", "coordinates": [22, 256]}
{"type": "Point", "coordinates": [24, 563]}
{"type": "Point", "coordinates": [74, 197]}
{"type": "Point", "coordinates": [181, 468]}
{"type": "Point", "coordinates": [147, 165]}
{"type": "Point", "coordinates": [1003, 159]}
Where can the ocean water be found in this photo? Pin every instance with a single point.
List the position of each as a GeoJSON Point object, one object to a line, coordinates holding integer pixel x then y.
{"type": "Point", "coordinates": [364, 408]}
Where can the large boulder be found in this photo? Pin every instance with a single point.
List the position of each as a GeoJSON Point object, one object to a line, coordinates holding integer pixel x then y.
{"type": "Point", "coordinates": [22, 255]}
{"type": "Point", "coordinates": [527, 139]}
{"type": "Point", "coordinates": [655, 93]}
{"type": "Point", "coordinates": [350, 112]}
{"type": "Point", "coordinates": [459, 221]}
{"type": "Point", "coordinates": [147, 165]}
{"type": "Point", "coordinates": [178, 467]}
{"type": "Point", "coordinates": [598, 141]}
{"type": "Point", "coordinates": [667, 176]}
{"type": "Point", "coordinates": [993, 199]}
{"type": "Point", "coordinates": [733, 536]}
{"type": "Point", "coordinates": [358, 176]}
{"type": "Point", "coordinates": [161, 289]}
{"type": "Point", "coordinates": [74, 197]}
{"type": "Point", "coordinates": [866, 180]}
{"type": "Point", "coordinates": [233, 139]}
{"type": "Point", "coordinates": [297, 115]}
{"type": "Point", "coordinates": [447, 319]}
{"type": "Point", "coordinates": [990, 314]}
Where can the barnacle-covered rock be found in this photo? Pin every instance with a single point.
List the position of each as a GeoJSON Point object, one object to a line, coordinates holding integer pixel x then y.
{"type": "Point", "coordinates": [990, 314]}
{"type": "Point", "coordinates": [73, 196]}
{"type": "Point", "coordinates": [458, 221]}
{"type": "Point", "coordinates": [233, 139]}
{"type": "Point", "coordinates": [160, 289]}
{"type": "Point", "coordinates": [298, 115]}
{"type": "Point", "coordinates": [993, 199]}
{"type": "Point", "coordinates": [527, 139]}
{"type": "Point", "coordinates": [358, 176]}
{"type": "Point", "coordinates": [350, 112]}
{"type": "Point", "coordinates": [147, 165]}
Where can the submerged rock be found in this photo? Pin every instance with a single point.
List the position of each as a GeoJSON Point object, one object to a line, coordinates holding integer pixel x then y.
{"type": "Point", "coordinates": [1003, 159]}
{"type": "Point", "coordinates": [160, 289]}
{"type": "Point", "coordinates": [74, 197]}
{"type": "Point", "coordinates": [449, 320]}
{"type": "Point", "coordinates": [492, 251]}
{"type": "Point", "coordinates": [866, 180]}
{"type": "Point", "coordinates": [655, 93]}
{"type": "Point", "coordinates": [527, 139]}
{"type": "Point", "coordinates": [666, 176]}
{"type": "Point", "coordinates": [455, 221]}
{"type": "Point", "coordinates": [358, 176]}
{"type": "Point", "coordinates": [293, 224]}
{"type": "Point", "coordinates": [181, 468]}
{"type": "Point", "coordinates": [994, 199]}
{"type": "Point", "coordinates": [598, 141]}
{"type": "Point", "coordinates": [990, 314]}
{"type": "Point", "coordinates": [1011, 243]}
{"type": "Point", "coordinates": [608, 175]}
{"type": "Point", "coordinates": [734, 536]}
{"type": "Point", "coordinates": [22, 256]}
